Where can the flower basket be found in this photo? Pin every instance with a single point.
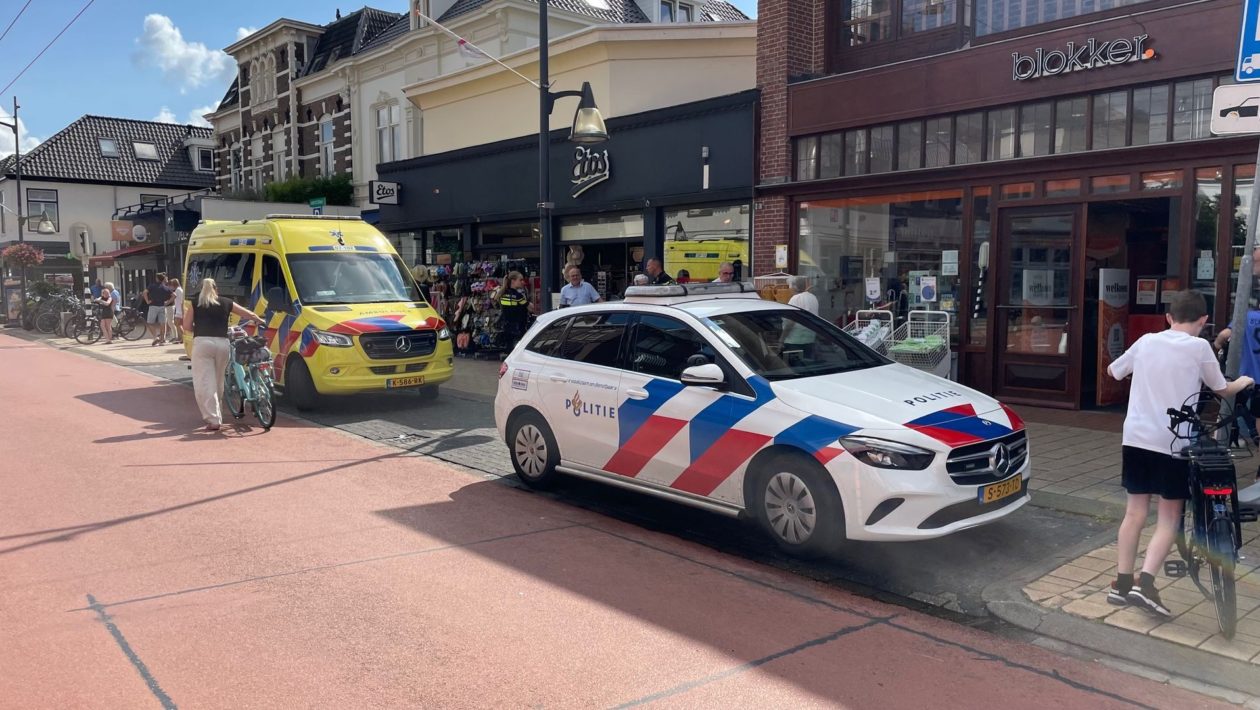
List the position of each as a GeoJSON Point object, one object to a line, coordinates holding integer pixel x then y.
{"type": "Point", "coordinates": [23, 255]}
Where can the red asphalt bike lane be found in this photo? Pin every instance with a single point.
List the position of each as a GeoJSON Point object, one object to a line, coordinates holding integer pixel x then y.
{"type": "Point", "coordinates": [146, 564]}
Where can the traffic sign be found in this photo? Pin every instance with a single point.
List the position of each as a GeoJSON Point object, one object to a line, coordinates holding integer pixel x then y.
{"type": "Point", "coordinates": [317, 205]}
{"type": "Point", "coordinates": [1235, 109]}
{"type": "Point", "coordinates": [1248, 67]}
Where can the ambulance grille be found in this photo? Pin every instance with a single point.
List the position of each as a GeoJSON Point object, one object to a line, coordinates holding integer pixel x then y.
{"type": "Point", "coordinates": [397, 345]}
{"type": "Point", "coordinates": [971, 465]}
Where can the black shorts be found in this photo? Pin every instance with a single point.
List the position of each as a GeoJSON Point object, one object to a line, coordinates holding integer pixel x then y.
{"type": "Point", "coordinates": [1145, 472]}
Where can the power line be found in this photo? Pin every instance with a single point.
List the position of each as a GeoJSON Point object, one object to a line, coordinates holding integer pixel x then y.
{"type": "Point", "coordinates": [50, 44]}
{"type": "Point", "coordinates": [11, 24]}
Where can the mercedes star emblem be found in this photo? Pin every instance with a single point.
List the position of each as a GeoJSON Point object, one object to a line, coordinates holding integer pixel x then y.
{"type": "Point", "coordinates": [1000, 459]}
{"type": "Point", "coordinates": [403, 344]}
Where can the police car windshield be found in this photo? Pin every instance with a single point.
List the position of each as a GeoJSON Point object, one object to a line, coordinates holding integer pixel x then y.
{"type": "Point", "coordinates": [790, 344]}
{"type": "Point", "coordinates": [350, 277]}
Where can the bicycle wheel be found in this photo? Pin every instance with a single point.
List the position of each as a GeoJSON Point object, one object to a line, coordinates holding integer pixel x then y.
{"type": "Point", "coordinates": [89, 332]}
{"type": "Point", "coordinates": [47, 322]}
{"type": "Point", "coordinates": [233, 397]}
{"type": "Point", "coordinates": [1222, 554]}
{"type": "Point", "coordinates": [136, 330]}
{"type": "Point", "coordinates": [264, 399]}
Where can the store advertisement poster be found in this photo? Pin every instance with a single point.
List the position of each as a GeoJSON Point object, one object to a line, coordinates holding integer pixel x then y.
{"type": "Point", "coordinates": [1113, 315]}
{"type": "Point", "coordinates": [927, 289]}
{"type": "Point", "coordinates": [873, 290]}
{"type": "Point", "coordinates": [1147, 291]}
{"type": "Point", "coordinates": [1038, 287]}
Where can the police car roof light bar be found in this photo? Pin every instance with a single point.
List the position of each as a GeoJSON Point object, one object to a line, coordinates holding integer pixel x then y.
{"type": "Point", "coordinates": [697, 289]}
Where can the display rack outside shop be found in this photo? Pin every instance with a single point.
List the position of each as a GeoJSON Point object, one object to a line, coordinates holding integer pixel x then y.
{"type": "Point", "coordinates": [922, 342]}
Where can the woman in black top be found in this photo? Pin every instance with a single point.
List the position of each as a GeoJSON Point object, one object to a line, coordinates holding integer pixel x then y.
{"type": "Point", "coordinates": [207, 320]}
{"type": "Point", "coordinates": [513, 309]}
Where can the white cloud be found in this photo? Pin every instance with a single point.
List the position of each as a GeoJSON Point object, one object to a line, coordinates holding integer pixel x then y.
{"type": "Point", "coordinates": [243, 32]}
{"type": "Point", "coordinates": [6, 135]}
{"type": "Point", "coordinates": [165, 116]}
{"type": "Point", "coordinates": [196, 116]}
{"type": "Point", "coordinates": [188, 64]}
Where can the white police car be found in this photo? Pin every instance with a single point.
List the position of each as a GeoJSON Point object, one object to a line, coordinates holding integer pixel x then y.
{"type": "Point", "coordinates": [712, 397]}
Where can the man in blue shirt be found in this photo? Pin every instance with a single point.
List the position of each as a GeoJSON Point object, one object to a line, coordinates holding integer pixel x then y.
{"type": "Point", "coordinates": [577, 292]}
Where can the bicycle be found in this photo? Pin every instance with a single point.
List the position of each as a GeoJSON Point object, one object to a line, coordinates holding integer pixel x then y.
{"type": "Point", "coordinates": [249, 378]}
{"type": "Point", "coordinates": [1215, 516]}
{"type": "Point", "coordinates": [48, 313]}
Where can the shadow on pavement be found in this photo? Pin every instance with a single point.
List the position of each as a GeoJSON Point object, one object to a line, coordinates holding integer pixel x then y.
{"type": "Point", "coordinates": [148, 404]}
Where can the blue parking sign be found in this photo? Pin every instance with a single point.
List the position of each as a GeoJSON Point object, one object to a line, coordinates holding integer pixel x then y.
{"type": "Point", "coordinates": [1248, 68]}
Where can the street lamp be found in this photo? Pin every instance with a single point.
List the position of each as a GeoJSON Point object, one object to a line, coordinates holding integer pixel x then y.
{"type": "Point", "coordinates": [588, 129]}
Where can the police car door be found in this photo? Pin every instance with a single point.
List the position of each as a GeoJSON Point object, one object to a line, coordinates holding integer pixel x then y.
{"type": "Point", "coordinates": [667, 432]}
{"type": "Point", "coordinates": [581, 387]}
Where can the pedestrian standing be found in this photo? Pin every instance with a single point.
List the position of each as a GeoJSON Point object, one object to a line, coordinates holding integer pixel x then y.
{"type": "Point", "coordinates": [657, 274]}
{"type": "Point", "coordinates": [726, 273]}
{"type": "Point", "coordinates": [513, 309]}
{"type": "Point", "coordinates": [96, 289]}
{"type": "Point", "coordinates": [157, 296]}
{"type": "Point", "coordinates": [1168, 368]}
{"type": "Point", "coordinates": [207, 320]}
{"type": "Point", "coordinates": [577, 292]}
{"type": "Point", "coordinates": [106, 305]}
{"type": "Point", "coordinates": [177, 309]}
{"type": "Point", "coordinates": [795, 336]}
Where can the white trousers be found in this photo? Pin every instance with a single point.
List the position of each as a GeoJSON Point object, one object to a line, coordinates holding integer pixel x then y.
{"type": "Point", "coordinates": [209, 361]}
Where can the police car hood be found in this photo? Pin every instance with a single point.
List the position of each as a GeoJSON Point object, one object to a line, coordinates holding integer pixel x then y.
{"type": "Point", "coordinates": [892, 397]}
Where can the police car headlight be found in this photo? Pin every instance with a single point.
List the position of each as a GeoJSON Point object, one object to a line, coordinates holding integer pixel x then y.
{"type": "Point", "coordinates": [333, 340]}
{"type": "Point", "coordinates": [887, 454]}
{"type": "Point", "coordinates": [444, 334]}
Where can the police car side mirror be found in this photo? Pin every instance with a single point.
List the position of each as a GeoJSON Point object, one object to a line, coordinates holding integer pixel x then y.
{"type": "Point", "coordinates": [704, 376]}
{"type": "Point", "coordinates": [278, 300]}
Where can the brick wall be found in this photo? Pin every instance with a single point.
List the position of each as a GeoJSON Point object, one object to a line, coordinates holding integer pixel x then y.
{"type": "Point", "coordinates": [790, 44]}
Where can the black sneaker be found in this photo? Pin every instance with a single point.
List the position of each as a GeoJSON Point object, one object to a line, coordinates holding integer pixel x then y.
{"type": "Point", "coordinates": [1115, 598]}
{"type": "Point", "coordinates": [1149, 600]}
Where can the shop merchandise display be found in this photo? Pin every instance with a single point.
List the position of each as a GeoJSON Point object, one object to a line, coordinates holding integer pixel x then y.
{"type": "Point", "coordinates": [464, 295]}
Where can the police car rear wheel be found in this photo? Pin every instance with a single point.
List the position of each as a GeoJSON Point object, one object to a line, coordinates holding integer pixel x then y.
{"type": "Point", "coordinates": [534, 453]}
{"type": "Point", "coordinates": [799, 506]}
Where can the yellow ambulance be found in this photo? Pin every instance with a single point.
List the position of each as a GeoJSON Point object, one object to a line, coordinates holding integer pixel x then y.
{"type": "Point", "coordinates": [343, 314]}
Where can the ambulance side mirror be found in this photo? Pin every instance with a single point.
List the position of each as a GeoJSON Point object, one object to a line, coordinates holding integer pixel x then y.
{"type": "Point", "coordinates": [278, 300]}
{"type": "Point", "coordinates": [704, 376]}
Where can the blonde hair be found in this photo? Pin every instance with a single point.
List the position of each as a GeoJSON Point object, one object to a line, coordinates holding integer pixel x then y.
{"type": "Point", "coordinates": [109, 285]}
{"type": "Point", "coordinates": [209, 294]}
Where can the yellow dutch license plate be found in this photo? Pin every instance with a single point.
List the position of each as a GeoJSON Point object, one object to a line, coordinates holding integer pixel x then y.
{"type": "Point", "coordinates": [405, 382]}
{"type": "Point", "coordinates": [1001, 489]}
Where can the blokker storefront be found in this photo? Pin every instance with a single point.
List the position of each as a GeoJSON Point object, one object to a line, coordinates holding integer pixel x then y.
{"type": "Point", "coordinates": [1051, 187]}
{"type": "Point", "coordinates": [673, 183]}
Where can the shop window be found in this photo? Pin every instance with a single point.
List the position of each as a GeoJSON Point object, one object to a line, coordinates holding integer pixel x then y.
{"type": "Point", "coordinates": [939, 139]}
{"type": "Point", "coordinates": [1192, 109]}
{"type": "Point", "coordinates": [831, 155]}
{"type": "Point", "coordinates": [1244, 183]}
{"type": "Point", "coordinates": [881, 149]}
{"type": "Point", "coordinates": [595, 339]}
{"type": "Point", "coordinates": [910, 145]}
{"type": "Point", "coordinates": [1207, 206]}
{"type": "Point", "coordinates": [1002, 134]}
{"type": "Point", "coordinates": [969, 138]}
{"type": "Point", "coordinates": [1150, 115]}
{"type": "Point", "coordinates": [43, 204]}
{"type": "Point", "coordinates": [1104, 184]}
{"type": "Point", "coordinates": [1070, 187]}
{"type": "Point", "coordinates": [1035, 129]}
{"type": "Point", "coordinates": [1018, 191]}
{"type": "Point", "coordinates": [699, 240]}
{"type": "Point", "coordinates": [1111, 116]}
{"type": "Point", "coordinates": [615, 226]}
{"type": "Point", "coordinates": [1069, 124]}
{"type": "Point", "coordinates": [663, 346]}
{"type": "Point", "coordinates": [981, 275]}
{"type": "Point", "coordinates": [807, 158]}
{"type": "Point", "coordinates": [1162, 180]}
{"type": "Point", "coordinates": [924, 15]}
{"type": "Point", "coordinates": [895, 238]}
{"type": "Point", "coordinates": [867, 21]}
{"type": "Point", "coordinates": [1005, 15]}
{"type": "Point", "coordinates": [443, 246]}
{"type": "Point", "coordinates": [855, 152]}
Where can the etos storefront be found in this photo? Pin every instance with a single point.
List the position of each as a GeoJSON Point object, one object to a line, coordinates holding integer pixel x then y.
{"type": "Point", "coordinates": [673, 183]}
{"type": "Point", "coordinates": [1024, 177]}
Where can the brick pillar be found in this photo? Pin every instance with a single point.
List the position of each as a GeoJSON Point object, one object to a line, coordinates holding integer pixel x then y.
{"type": "Point", "coordinates": [790, 45]}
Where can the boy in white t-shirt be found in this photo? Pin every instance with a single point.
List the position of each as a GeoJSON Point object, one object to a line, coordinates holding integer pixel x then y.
{"type": "Point", "coordinates": [1167, 368]}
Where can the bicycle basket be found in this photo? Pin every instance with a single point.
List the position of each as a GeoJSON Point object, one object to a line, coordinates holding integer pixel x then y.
{"type": "Point", "coordinates": [251, 349]}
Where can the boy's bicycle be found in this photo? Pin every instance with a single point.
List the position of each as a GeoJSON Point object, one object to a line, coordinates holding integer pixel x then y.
{"type": "Point", "coordinates": [1215, 517]}
{"type": "Point", "coordinates": [249, 378]}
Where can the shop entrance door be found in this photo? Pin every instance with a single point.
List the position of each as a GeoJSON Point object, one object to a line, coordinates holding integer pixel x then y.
{"type": "Point", "coordinates": [1037, 325]}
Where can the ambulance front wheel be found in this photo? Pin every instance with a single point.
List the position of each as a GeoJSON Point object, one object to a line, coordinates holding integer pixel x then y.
{"type": "Point", "coordinates": [299, 388]}
{"type": "Point", "coordinates": [797, 503]}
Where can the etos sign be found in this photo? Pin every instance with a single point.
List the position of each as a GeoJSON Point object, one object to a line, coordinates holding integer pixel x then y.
{"type": "Point", "coordinates": [1090, 54]}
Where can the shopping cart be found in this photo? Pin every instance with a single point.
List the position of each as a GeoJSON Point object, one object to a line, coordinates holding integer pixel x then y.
{"type": "Point", "coordinates": [874, 329]}
{"type": "Point", "coordinates": [922, 342]}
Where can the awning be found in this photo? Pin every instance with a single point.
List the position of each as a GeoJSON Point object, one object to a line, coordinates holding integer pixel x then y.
{"type": "Point", "coordinates": [108, 258]}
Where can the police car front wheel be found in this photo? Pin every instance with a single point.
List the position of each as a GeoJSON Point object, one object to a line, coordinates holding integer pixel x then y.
{"type": "Point", "coordinates": [799, 506]}
{"type": "Point", "coordinates": [534, 453]}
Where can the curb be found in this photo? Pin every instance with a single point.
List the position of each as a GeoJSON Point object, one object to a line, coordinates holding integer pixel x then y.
{"type": "Point", "coordinates": [1206, 673]}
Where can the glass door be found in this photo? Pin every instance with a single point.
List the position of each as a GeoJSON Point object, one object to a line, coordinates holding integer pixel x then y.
{"type": "Point", "coordinates": [1037, 308]}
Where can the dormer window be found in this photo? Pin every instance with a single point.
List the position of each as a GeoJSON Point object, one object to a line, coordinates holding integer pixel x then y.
{"type": "Point", "coordinates": [109, 147]}
{"type": "Point", "coordinates": [205, 160]}
{"type": "Point", "coordinates": [674, 11]}
{"type": "Point", "coordinates": [145, 151]}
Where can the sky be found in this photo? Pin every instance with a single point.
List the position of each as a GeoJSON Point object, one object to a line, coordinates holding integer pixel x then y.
{"type": "Point", "coordinates": [146, 59]}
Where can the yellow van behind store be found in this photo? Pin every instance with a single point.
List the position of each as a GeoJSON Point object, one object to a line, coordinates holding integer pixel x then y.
{"type": "Point", "coordinates": [343, 314]}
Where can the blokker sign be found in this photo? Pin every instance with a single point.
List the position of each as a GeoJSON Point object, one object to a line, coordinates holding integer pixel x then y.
{"type": "Point", "coordinates": [1090, 54]}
